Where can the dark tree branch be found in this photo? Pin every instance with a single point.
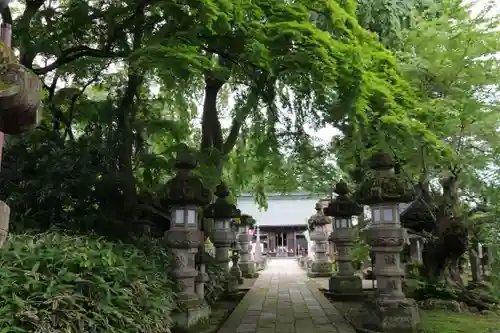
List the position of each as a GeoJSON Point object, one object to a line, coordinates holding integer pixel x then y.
{"type": "Point", "coordinates": [6, 15]}
{"type": "Point", "coordinates": [75, 53]}
{"type": "Point", "coordinates": [27, 55]}
{"type": "Point", "coordinates": [233, 136]}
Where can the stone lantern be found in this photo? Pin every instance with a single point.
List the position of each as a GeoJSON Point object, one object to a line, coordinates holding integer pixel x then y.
{"type": "Point", "coordinates": [383, 191]}
{"type": "Point", "coordinates": [342, 209]}
{"type": "Point", "coordinates": [235, 271]}
{"type": "Point", "coordinates": [184, 196]}
{"type": "Point", "coordinates": [222, 212]}
{"type": "Point", "coordinates": [20, 97]}
{"type": "Point", "coordinates": [321, 265]}
{"type": "Point", "coordinates": [247, 265]}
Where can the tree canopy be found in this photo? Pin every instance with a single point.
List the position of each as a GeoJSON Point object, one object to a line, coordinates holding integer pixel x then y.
{"type": "Point", "coordinates": [247, 84]}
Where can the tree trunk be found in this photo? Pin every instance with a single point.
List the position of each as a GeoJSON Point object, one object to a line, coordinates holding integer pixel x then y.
{"type": "Point", "coordinates": [126, 115]}
{"type": "Point", "coordinates": [442, 254]}
{"type": "Point", "coordinates": [125, 142]}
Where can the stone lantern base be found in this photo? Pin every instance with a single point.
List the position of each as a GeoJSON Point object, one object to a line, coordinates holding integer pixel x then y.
{"type": "Point", "coordinates": [248, 269]}
{"type": "Point", "coordinates": [345, 287]}
{"type": "Point", "coordinates": [190, 313]}
{"type": "Point", "coordinates": [391, 316]}
{"type": "Point", "coordinates": [320, 269]}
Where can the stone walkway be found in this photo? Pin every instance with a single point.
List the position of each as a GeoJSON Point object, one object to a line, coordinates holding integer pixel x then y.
{"type": "Point", "coordinates": [284, 300]}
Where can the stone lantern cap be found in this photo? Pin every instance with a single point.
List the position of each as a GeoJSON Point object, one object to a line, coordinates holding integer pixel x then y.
{"type": "Point", "coordinates": [382, 185]}
{"type": "Point", "coordinates": [319, 218]}
{"type": "Point", "coordinates": [185, 188]}
{"type": "Point", "coordinates": [222, 208]}
{"type": "Point", "coordinates": [343, 205]}
{"type": "Point", "coordinates": [20, 92]}
{"type": "Point", "coordinates": [247, 220]}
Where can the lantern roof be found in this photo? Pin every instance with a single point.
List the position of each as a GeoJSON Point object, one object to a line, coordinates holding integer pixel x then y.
{"type": "Point", "coordinates": [185, 188]}
{"type": "Point", "coordinates": [222, 208]}
{"type": "Point", "coordinates": [382, 185]}
{"type": "Point", "coordinates": [343, 205]}
{"type": "Point", "coordinates": [247, 220]}
{"type": "Point", "coordinates": [319, 218]}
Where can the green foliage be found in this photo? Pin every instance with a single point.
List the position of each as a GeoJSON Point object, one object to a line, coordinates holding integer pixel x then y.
{"type": "Point", "coordinates": [360, 252]}
{"type": "Point", "coordinates": [439, 321]}
{"type": "Point", "coordinates": [426, 290]}
{"type": "Point", "coordinates": [215, 287]}
{"type": "Point", "coordinates": [57, 283]}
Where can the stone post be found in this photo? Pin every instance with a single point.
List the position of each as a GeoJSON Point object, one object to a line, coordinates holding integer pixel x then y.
{"type": "Point", "coordinates": [4, 222]}
{"type": "Point", "coordinates": [235, 268]}
{"type": "Point", "coordinates": [202, 276]}
{"type": "Point", "coordinates": [247, 265]}
{"type": "Point", "coordinates": [321, 266]}
{"type": "Point", "coordinates": [342, 209]}
{"type": "Point", "coordinates": [383, 191]}
{"type": "Point", "coordinates": [258, 251]}
{"type": "Point", "coordinates": [183, 197]}
{"type": "Point", "coordinates": [222, 212]}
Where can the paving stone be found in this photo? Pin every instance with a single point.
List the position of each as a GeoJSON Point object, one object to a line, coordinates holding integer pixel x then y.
{"type": "Point", "coordinates": [284, 300]}
{"type": "Point", "coordinates": [247, 328]}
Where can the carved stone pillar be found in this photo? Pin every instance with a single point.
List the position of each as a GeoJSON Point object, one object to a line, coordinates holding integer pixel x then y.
{"type": "Point", "coordinates": [383, 191]}
{"type": "Point", "coordinates": [342, 209]}
{"type": "Point", "coordinates": [321, 266]}
{"type": "Point", "coordinates": [222, 212]}
{"type": "Point", "coordinates": [4, 222]}
{"type": "Point", "coordinates": [184, 195]}
{"type": "Point", "coordinates": [247, 265]}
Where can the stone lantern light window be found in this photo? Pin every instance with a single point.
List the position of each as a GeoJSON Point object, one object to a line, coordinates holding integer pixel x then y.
{"type": "Point", "coordinates": [185, 216]}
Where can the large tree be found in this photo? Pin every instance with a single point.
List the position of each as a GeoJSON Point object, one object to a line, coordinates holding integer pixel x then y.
{"type": "Point", "coordinates": [449, 57]}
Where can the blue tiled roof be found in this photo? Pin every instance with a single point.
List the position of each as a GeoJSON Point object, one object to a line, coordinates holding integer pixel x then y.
{"type": "Point", "coordinates": [291, 209]}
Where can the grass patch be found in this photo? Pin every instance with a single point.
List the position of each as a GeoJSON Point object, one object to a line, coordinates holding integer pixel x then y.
{"type": "Point", "coordinates": [438, 321]}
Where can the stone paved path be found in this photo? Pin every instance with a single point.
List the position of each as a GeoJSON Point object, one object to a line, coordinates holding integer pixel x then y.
{"type": "Point", "coordinates": [284, 300]}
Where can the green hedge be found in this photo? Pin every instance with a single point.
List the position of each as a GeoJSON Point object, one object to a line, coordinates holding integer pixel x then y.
{"type": "Point", "coordinates": [53, 283]}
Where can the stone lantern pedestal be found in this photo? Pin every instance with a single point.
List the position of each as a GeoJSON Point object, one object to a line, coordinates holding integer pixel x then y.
{"type": "Point", "coordinates": [321, 265]}
{"type": "Point", "coordinates": [344, 284]}
{"type": "Point", "coordinates": [222, 212]}
{"type": "Point", "coordinates": [390, 311]}
{"type": "Point", "coordinates": [183, 197]}
{"type": "Point", "coordinates": [247, 265]}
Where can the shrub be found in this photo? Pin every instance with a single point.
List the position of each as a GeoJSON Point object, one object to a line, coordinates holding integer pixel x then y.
{"type": "Point", "coordinates": [214, 288]}
{"type": "Point", "coordinates": [426, 290]}
{"type": "Point", "coordinates": [54, 283]}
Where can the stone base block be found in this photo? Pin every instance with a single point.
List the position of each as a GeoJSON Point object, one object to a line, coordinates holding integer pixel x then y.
{"type": "Point", "coordinates": [345, 287]}
{"type": "Point", "coordinates": [391, 316]}
{"type": "Point", "coordinates": [231, 284]}
{"type": "Point", "coordinates": [320, 269]}
{"type": "Point", "coordinates": [191, 313]}
{"type": "Point", "coordinates": [248, 269]}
